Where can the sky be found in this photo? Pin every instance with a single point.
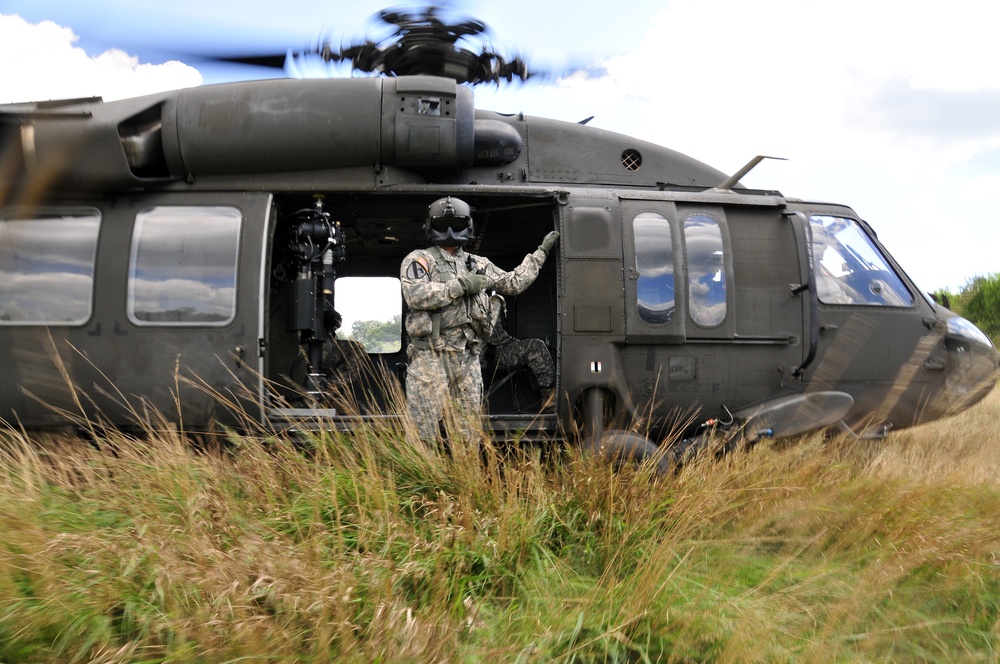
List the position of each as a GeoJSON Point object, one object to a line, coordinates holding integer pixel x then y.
{"type": "Point", "coordinates": [890, 107]}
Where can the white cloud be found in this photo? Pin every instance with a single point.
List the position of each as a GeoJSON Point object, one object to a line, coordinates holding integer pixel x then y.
{"type": "Point", "coordinates": [885, 106]}
{"type": "Point", "coordinates": [42, 63]}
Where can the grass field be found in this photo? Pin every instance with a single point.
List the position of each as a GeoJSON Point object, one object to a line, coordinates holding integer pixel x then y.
{"type": "Point", "coordinates": [364, 549]}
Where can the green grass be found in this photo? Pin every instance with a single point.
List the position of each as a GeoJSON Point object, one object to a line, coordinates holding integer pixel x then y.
{"type": "Point", "coordinates": [366, 548]}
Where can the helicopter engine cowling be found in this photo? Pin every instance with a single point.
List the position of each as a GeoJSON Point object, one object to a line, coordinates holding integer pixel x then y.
{"type": "Point", "coordinates": [421, 123]}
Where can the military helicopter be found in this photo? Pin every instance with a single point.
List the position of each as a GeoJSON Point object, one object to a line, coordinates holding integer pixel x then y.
{"type": "Point", "coordinates": [189, 253]}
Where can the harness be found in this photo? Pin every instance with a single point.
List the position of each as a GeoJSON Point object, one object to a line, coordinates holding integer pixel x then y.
{"type": "Point", "coordinates": [434, 342]}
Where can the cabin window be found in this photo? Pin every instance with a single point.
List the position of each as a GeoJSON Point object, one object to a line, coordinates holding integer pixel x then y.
{"type": "Point", "coordinates": [47, 267]}
{"type": "Point", "coordinates": [706, 270]}
{"type": "Point", "coordinates": [183, 266]}
{"type": "Point", "coordinates": [372, 312]}
{"type": "Point", "coordinates": [850, 269]}
{"type": "Point", "coordinates": [654, 261]}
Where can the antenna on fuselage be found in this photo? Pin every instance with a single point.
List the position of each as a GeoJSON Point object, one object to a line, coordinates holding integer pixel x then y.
{"type": "Point", "coordinates": [728, 184]}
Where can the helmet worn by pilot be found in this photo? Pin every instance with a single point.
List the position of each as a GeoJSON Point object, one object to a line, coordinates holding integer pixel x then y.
{"type": "Point", "coordinates": [448, 322]}
{"type": "Point", "coordinates": [449, 222]}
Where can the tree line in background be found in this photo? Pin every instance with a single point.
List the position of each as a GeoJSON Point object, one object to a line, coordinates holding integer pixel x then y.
{"type": "Point", "coordinates": [978, 301]}
{"type": "Point", "coordinates": [377, 336]}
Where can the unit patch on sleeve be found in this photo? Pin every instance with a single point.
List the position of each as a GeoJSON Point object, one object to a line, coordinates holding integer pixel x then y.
{"type": "Point", "coordinates": [417, 269]}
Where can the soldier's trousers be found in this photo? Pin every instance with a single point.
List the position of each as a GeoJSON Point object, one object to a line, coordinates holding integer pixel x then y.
{"type": "Point", "coordinates": [435, 380]}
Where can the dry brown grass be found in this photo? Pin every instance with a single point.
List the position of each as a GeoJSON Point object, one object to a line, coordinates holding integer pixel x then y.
{"type": "Point", "coordinates": [369, 548]}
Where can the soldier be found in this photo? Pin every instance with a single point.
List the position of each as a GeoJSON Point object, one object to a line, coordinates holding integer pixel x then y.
{"type": "Point", "coordinates": [513, 353]}
{"type": "Point", "coordinates": [450, 315]}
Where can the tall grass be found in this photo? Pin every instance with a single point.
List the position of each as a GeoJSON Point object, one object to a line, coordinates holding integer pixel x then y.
{"type": "Point", "coordinates": [368, 548]}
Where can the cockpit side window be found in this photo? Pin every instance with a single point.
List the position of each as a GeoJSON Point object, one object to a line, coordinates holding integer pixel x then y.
{"type": "Point", "coordinates": [183, 266]}
{"type": "Point", "coordinates": [47, 267]}
{"type": "Point", "coordinates": [706, 270]}
{"type": "Point", "coordinates": [654, 261]}
{"type": "Point", "coordinates": [850, 269]}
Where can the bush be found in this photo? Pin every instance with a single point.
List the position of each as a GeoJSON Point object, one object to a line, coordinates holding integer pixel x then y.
{"type": "Point", "coordinates": [983, 304]}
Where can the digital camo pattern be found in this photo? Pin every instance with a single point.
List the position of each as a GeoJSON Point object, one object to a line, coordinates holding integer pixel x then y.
{"type": "Point", "coordinates": [429, 279]}
{"type": "Point", "coordinates": [345, 362]}
{"type": "Point", "coordinates": [430, 282]}
{"type": "Point", "coordinates": [531, 354]}
{"type": "Point", "coordinates": [515, 353]}
{"type": "Point", "coordinates": [433, 380]}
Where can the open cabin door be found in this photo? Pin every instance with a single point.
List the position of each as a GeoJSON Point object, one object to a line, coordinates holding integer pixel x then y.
{"type": "Point", "coordinates": [363, 369]}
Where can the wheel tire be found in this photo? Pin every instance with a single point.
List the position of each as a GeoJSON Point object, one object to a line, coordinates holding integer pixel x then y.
{"type": "Point", "coordinates": [684, 451]}
{"type": "Point", "coordinates": [623, 448]}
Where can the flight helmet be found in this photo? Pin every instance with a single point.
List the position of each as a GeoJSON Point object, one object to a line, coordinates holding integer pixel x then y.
{"type": "Point", "coordinates": [449, 222]}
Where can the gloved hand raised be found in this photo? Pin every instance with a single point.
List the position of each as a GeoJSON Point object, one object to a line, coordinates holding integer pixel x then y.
{"type": "Point", "coordinates": [548, 242]}
{"type": "Point", "coordinates": [473, 284]}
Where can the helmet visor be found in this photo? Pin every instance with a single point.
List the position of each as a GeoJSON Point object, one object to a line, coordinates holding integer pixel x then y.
{"type": "Point", "coordinates": [442, 224]}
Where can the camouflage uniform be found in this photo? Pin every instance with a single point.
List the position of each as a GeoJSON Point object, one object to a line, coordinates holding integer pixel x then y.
{"type": "Point", "coordinates": [516, 353]}
{"type": "Point", "coordinates": [450, 369]}
{"type": "Point", "coordinates": [346, 364]}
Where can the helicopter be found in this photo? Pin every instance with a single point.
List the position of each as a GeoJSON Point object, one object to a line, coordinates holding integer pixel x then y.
{"type": "Point", "coordinates": [192, 254]}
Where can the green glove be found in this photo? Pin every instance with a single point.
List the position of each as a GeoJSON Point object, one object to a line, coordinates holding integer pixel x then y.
{"type": "Point", "coordinates": [473, 284]}
{"type": "Point", "coordinates": [548, 242]}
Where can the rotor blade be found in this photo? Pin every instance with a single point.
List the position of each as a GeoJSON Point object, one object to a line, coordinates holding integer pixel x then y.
{"type": "Point", "coordinates": [425, 41]}
{"type": "Point", "coordinates": [271, 61]}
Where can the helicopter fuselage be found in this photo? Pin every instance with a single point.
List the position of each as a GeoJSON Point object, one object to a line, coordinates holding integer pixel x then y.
{"type": "Point", "coordinates": [177, 256]}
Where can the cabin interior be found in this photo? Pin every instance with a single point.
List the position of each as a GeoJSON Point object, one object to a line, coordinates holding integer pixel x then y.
{"type": "Point", "coordinates": [359, 371]}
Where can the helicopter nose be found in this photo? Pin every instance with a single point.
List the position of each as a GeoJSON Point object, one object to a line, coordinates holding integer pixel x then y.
{"type": "Point", "coordinates": [972, 365]}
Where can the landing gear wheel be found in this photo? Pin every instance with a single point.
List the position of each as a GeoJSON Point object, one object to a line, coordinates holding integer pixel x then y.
{"type": "Point", "coordinates": [623, 448]}
{"type": "Point", "coordinates": [686, 450]}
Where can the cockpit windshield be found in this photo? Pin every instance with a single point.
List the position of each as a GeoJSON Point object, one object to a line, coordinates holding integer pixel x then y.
{"type": "Point", "coordinates": [850, 269]}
